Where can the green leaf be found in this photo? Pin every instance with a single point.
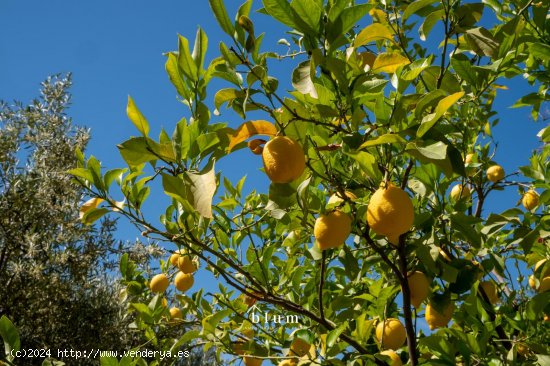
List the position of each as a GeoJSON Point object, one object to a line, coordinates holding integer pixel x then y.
{"type": "Point", "coordinates": [416, 6]}
{"type": "Point", "coordinates": [389, 138]}
{"type": "Point", "coordinates": [462, 66]}
{"type": "Point", "coordinates": [185, 61]}
{"type": "Point", "coordinates": [341, 23]}
{"type": "Point", "coordinates": [426, 27]}
{"type": "Point", "coordinates": [174, 75]}
{"type": "Point", "coordinates": [373, 32]}
{"type": "Point", "coordinates": [181, 140]}
{"type": "Point", "coordinates": [187, 337]}
{"type": "Point", "coordinates": [112, 175]}
{"type": "Point", "coordinates": [442, 107]}
{"type": "Point", "coordinates": [210, 322]}
{"type": "Point", "coordinates": [199, 50]}
{"type": "Point", "coordinates": [469, 14]}
{"type": "Point", "coordinates": [333, 335]}
{"type": "Point", "coordinates": [309, 13]}
{"type": "Point", "coordinates": [226, 95]}
{"type": "Point", "coordinates": [135, 151]}
{"type": "Point", "coordinates": [413, 70]}
{"type": "Point", "coordinates": [10, 336]}
{"type": "Point", "coordinates": [108, 361]}
{"type": "Point", "coordinates": [482, 41]}
{"type": "Point", "coordinates": [465, 225]}
{"type": "Point", "coordinates": [540, 50]}
{"type": "Point", "coordinates": [82, 173]}
{"type": "Point", "coordinates": [93, 215]}
{"type": "Point", "coordinates": [281, 11]}
{"type": "Point", "coordinates": [536, 305]}
{"type": "Point", "coordinates": [175, 187]}
{"type": "Point", "coordinates": [203, 187]}
{"type": "Point", "coordinates": [218, 8]}
{"type": "Point", "coordinates": [367, 162]}
{"type": "Point", "coordinates": [136, 117]}
{"type": "Point", "coordinates": [437, 151]}
{"type": "Point", "coordinates": [302, 78]}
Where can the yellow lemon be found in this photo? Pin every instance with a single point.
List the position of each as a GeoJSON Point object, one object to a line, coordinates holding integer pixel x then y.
{"type": "Point", "coordinates": [175, 313]}
{"type": "Point", "coordinates": [530, 199]}
{"type": "Point", "coordinates": [419, 287]}
{"type": "Point", "coordinates": [164, 302]}
{"type": "Point", "coordinates": [186, 264]}
{"type": "Point", "coordinates": [533, 282]}
{"type": "Point", "coordinates": [390, 212]}
{"type": "Point", "coordinates": [460, 192]}
{"type": "Point", "coordinates": [336, 198]}
{"type": "Point", "coordinates": [332, 229]}
{"type": "Point", "coordinates": [391, 333]}
{"type": "Point", "coordinates": [159, 283]}
{"type": "Point", "coordinates": [252, 361]}
{"type": "Point", "coordinates": [469, 158]}
{"type": "Point", "coordinates": [490, 290]}
{"type": "Point", "coordinates": [495, 173]}
{"type": "Point", "coordinates": [284, 159]}
{"type": "Point", "coordinates": [544, 284]}
{"type": "Point", "coordinates": [184, 281]}
{"type": "Point", "coordinates": [395, 360]}
{"type": "Point", "coordinates": [299, 347]}
{"type": "Point", "coordinates": [437, 320]}
{"type": "Point", "coordinates": [175, 256]}
{"type": "Point", "coordinates": [538, 265]}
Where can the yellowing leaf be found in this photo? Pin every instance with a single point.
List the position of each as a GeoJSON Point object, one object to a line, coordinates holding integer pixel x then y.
{"type": "Point", "coordinates": [373, 32]}
{"type": "Point", "coordinates": [444, 104]}
{"type": "Point", "coordinates": [249, 129]}
{"type": "Point", "coordinates": [88, 205]}
{"type": "Point", "coordinates": [389, 62]}
{"type": "Point", "coordinates": [136, 117]}
{"type": "Point", "coordinates": [378, 15]}
{"type": "Point", "coordinates": [203, 187]}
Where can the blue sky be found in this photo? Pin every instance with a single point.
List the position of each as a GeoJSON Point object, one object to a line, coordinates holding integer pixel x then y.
{"type": "Point", "coordinates": [114, 49]}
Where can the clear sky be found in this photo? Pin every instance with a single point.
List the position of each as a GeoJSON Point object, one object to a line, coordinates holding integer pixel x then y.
{"type": "Point", "coordinates": [114, 48]}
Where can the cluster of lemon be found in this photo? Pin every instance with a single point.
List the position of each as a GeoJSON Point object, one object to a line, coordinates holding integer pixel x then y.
{"type": "Point", "coordinates": [495, 173]}
{"type": "Point", "coordinates": [183, 280]}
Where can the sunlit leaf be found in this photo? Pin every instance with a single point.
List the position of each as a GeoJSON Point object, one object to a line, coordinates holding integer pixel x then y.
{"type": "Point", "coordinates": [136, 117]}
{"type": "Point", "coordinates": [389, 62]}
{"type": "Point", "coordinates": [249, 129]}
{"type": "Point", "coordinates": [89, 205]}
{"type": "Point", "coordinates": [373, 32]}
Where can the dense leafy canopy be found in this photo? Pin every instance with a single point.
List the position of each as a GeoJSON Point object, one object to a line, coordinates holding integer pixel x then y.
{"type": "Point", "coordinates": [378, 96]}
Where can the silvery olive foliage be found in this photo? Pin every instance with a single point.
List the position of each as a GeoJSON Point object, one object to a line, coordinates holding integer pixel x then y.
{"type": "Point", "coordinates": [54, 271]}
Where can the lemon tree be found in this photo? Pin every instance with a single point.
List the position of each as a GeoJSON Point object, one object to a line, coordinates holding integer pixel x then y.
{"type": "Point", "coordinates": [374, 236]}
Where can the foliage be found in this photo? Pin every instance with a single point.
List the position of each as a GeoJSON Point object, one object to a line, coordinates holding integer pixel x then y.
{"type": "Point", "coordinates": [377, 96]}
{"type": "Point", "coordinates": [53, 269]}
